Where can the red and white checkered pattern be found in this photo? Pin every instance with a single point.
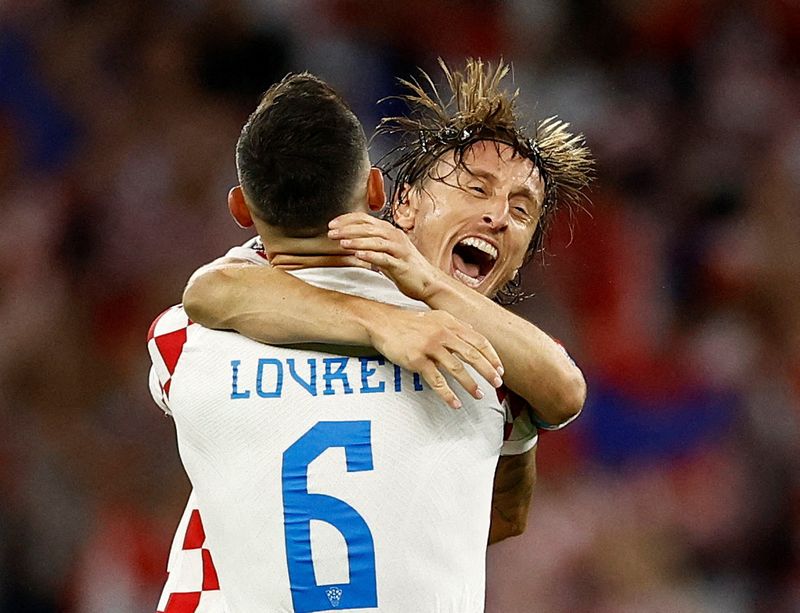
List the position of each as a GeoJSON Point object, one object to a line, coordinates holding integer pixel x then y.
{"type": "Point", "coordinates": [165, 341]}
{"type": "Point", "coordinates": [520, 433]}
{"type": "Point", "coordinates": [192, 585]}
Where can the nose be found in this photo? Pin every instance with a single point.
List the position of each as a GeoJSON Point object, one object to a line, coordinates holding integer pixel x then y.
{"type": "Point", "coordinates": [496, 213]}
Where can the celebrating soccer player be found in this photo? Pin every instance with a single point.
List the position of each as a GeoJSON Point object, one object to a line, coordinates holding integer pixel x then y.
{"type": "Point", "coordinates": [472, 199]}
{"type": "Point", "coordinates": [329, 481]}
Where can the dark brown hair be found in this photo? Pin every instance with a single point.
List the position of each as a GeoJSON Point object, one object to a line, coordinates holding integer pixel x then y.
{"type": "Point", "coordinates": [301, 155]}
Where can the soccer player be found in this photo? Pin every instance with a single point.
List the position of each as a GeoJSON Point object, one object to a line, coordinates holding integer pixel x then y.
{"type": "Point", "coordinates": [472, 200]}
{"type": "Point", "coordinates": [328, 481]}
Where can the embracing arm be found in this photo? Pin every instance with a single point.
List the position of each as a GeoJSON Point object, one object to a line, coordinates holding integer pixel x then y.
{"type": "Point", "coordinates": [536, 367]}
{"type": "Point", "coordinates": [272, 306]}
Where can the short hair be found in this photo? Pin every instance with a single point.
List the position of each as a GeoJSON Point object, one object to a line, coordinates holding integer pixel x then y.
{"type": "Point", "coordinates": [478, 110]}
{"type": "Point", "coordinates": [301, 156]}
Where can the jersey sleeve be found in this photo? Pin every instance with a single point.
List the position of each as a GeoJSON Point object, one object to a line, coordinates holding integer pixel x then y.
{"type": "Point", "coordinates": [165, 341]}
{"type": "Point", "coordinates": [157, 391]}
{"type": "Point", "coordinates": [543, 425]}
{"type": "Point", "coordinates": [520, 434]}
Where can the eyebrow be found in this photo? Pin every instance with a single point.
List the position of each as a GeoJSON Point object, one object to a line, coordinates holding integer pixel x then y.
{"type": "Point", "coordinates": [482, 174]}
{"type": "Point", "coordinates": [523, 191]}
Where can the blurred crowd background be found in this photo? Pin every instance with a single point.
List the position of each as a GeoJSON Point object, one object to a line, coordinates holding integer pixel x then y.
{"type": "Point", "coordinates": [678, 490]}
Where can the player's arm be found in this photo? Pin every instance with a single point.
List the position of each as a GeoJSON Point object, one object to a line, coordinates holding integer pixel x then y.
{"type": "Point", "coordinates": [272, 306]}
{"type": "Point", "coordinates": [514, 480]}
{"type": "Point", "coordinates": [515, 476]}
{"type": "Point", "coordinates": [536, 367]}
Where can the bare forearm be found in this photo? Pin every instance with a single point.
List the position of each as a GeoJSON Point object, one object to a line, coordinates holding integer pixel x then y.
{"type": "Point", "coordinates": [272, 306]}
{"type": "Point", "coordinates": [514, 481]}
{"type": "Point", "coordinates": [536, 367]}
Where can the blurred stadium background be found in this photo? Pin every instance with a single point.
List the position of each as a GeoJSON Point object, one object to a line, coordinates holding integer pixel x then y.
{"type": "Point", "coordinates": [677, 491]}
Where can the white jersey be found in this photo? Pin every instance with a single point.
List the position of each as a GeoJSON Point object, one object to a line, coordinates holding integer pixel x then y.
{"type": "Point", "coordinates": [325, 482]}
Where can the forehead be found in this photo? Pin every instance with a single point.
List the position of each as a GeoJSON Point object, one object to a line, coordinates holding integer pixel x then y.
{"type": "Point", "coordinates": [498, 162]}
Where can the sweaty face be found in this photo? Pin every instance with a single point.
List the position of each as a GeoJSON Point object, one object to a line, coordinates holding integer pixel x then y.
{"type": "Point", "coordinates": [475, 220]}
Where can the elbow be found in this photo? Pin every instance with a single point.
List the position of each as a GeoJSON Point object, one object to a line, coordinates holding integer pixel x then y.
{"type": "Point", "coordinates": [198, 295]}
{"type": "Point", "coordinates": [502, 528]}
{"type": "Point", "coordinates": [574, 394]}
{"type": "Point", "coordinates": [570, 398]}
{"type": "Point", "coordinates": [518, 525]}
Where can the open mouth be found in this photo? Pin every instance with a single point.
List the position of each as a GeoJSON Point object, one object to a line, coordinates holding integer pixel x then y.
{"type": "Point", "coordinates": [473, 260]}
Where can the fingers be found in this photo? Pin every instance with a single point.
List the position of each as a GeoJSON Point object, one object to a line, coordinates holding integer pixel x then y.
{"type": "Point", "coordinates": [355, 218]}
{"type": "Point", "coordinates": [381, 245]}
{"type": "Point", "coordinates": [447, 353]}
{"type": "Point", "coordinates": [449, 361]}
{"type": "Point", "coordinates": [480, 360]}
{"type": "Point", "coordinates": [371, 243]}
{"type": "Point", "coordinates": [378, 261]}
{"type": "Point", "coordinates": [451, 364]}
{"type": "Point", "coordinates": [438, 384]}
{"type": "Point", "coordinates": [481, 344]}
{"type": "Point", "coordinates": [362, 227]}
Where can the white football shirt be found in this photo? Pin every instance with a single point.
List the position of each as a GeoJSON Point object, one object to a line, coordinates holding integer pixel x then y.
{"type": "Point", "coordinates": [329, 482]}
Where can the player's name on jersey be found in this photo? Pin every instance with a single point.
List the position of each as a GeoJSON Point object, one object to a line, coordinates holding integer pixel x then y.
{"type": "Point", "coordinates": [269, 377]}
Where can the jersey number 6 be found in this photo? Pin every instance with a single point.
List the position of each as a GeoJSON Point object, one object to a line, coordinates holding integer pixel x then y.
{"type": "Point", "coordinates": [300, 507]}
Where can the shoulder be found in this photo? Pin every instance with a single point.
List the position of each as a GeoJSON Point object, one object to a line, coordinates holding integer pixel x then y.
{"type": "Point", "coordinates": [242, 256]}
{"type": "Point", "coordinates": [252, 251]}
{"type": "Point", "coordinates": [170, 325]}
{"type": "Point", "coordinates": [166, 340]}
{"type": "Point", "coordinates": [360, 282]}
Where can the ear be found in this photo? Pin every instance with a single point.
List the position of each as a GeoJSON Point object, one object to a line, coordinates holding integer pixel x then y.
{"type": "Point", "coordinates": [405, 209]}
{"type": "Point", "coordinates": [376, 193]}
{"type": "Point", "coordinates": [238, 207]}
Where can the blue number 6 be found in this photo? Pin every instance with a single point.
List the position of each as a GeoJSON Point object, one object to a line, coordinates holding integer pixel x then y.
{"type": "Point", "coordinates": [300, 507]}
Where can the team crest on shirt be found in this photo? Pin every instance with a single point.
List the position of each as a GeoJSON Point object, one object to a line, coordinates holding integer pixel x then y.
{"type": "Point", "coordinates": [334, 595]}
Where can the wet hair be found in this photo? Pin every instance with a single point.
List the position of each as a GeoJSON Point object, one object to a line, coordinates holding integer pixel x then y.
{"type": "Point", "coordinates": [301, 156]}
{"type": "Point", "coordinates": [479, 110]}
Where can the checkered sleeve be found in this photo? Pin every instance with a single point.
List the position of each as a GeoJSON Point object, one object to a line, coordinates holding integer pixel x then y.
{"type": "Point", "coordinates": [165, 341]}
{"type": "Point", "coordinates": [192, 584]}
{"type": "Point", "coordinates": [520, 434]}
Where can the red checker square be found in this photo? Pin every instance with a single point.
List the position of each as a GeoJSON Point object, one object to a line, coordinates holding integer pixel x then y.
{"type": "Point", "coordinates": [183, 603]}
{"type": "Point", "coordinates": [195, 535]}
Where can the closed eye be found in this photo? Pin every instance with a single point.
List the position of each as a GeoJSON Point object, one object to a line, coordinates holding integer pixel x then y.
{"type": "Point", "coordinates": [478, 189]}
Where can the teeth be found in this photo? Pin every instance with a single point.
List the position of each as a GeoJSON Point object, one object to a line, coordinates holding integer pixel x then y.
{"type": "Point", "coordinates": [466, 279]}
{"type": "Point", "coordinates": [481, 244]}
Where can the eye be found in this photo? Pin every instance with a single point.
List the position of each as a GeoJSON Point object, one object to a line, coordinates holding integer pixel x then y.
{"type": "Point", "coordinates": [521, 210]}
{"type": "Point", "coordinates": [478, 189]}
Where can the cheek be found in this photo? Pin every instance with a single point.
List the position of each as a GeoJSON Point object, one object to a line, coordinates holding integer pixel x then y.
{"type": "Point", "coordinates": [520, 244]}
{"type": "Point", "coordinates": [507, 274]}
{"type": "Point", "coordinates": [435, 215]}
{"type": "Point", "coordinates": [432, 225]}
{"type": "Point", "coordinates": [424, 239]}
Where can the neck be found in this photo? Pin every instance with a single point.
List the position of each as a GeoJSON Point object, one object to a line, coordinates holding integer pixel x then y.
{"type": "Point", "coordinates": [292, 252]}
{"type": "Point", "coordinates": [317, 245]}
